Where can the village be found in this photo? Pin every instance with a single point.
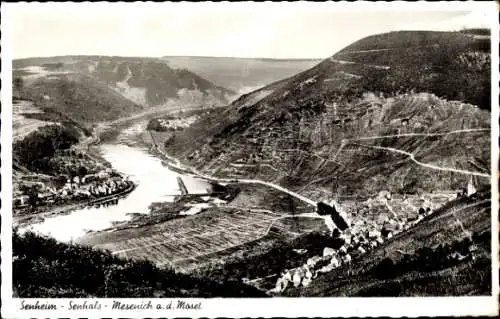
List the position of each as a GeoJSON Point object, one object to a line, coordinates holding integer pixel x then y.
{"type": "Point", "coordinates": [44, 193]}
{"type": "Point", "coordinates": [171, 123]}
{"type": "Point", "coordinates": [362, 236]}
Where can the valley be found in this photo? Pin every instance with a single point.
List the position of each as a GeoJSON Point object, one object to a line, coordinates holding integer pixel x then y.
{"type": "Point", "coordinates": [108, 88]}
{"type": "Point", "coordinates": [242, 75]}
{"type": "Point", "coordinates": [391, 134]}
{"type": "Point", "coordinates": [340, 132]}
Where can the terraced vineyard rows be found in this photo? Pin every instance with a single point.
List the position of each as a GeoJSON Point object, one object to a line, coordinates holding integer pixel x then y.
{"type": "Point", "coordinates": [187, 239]}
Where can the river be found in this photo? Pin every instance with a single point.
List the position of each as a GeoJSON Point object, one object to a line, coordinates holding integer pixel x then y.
{"type": "Point", "coordinates": [155, 183]}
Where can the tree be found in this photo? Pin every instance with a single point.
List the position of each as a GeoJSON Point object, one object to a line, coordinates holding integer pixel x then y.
{"type": "Point", "coordinates": [38, 147]}
{"type": "Point", "coordinates": [32, 192]}
{"type": "Point", "coordinates": [18, 84]}
{"type": "Point", "coordinates": [82, 171]}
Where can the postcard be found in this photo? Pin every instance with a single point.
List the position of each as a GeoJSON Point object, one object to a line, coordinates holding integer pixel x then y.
{"type": "Point", "coordinates": [292, 159]}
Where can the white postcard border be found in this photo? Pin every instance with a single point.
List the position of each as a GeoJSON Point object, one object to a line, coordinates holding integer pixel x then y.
{"type": "Point", "coordinates": [249, 307]}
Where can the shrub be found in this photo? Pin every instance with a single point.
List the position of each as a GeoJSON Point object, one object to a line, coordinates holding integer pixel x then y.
{"type": "Point", "coordinates": [38, 147]}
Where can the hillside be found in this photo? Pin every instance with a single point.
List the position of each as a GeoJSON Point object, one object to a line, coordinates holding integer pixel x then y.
{"type": "Point", "coordinates": [45, 268]}
{"type": "Point", "coordinates": [404, 112]}
{"type": "Point", "coordinates": [242, 75]}
{"type": "Point", "coordinates": [79, 97]}
{"type": "Point", "coordinates": [418, 262]}
{"type": "Point", "coordinates": [148, 82]}
{"type": "Point", "coordinates": [331, 121]}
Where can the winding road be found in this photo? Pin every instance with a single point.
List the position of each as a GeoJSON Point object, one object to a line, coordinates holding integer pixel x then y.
{"type": "Point", "coordinates": [412, 157]}
{"type": "Point", "coordinates": [196, 173]}
{"type": "Point", "coordinates": [343, 144]}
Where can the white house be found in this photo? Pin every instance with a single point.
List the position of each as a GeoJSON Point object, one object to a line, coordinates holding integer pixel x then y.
{"type": "Point", "coordinates": [327, 251]}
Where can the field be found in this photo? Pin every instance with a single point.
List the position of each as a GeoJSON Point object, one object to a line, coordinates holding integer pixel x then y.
{"type": "Point", "coordinates": [79, 97]}
{"type": "Point", "coordinates": [21, 125]}
{"type": "Point", "coordinates": [186, 242]}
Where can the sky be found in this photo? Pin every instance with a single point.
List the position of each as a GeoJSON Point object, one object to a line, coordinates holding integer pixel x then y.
{"type": "Point", "coordinates": [285, 31]}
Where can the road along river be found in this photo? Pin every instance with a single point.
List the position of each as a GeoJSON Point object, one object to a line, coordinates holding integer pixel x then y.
{"type": "Point", "coordinates": [155, 183]}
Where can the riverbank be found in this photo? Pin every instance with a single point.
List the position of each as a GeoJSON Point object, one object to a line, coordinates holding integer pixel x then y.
{"type": "Point", "coordinates": [116, 144]}
{"type": "Point", "coordinates": [24, 220]}
{"type": "Point", "coordinates": [63, 177]}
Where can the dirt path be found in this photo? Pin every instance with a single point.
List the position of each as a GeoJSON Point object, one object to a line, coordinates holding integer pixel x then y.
{"type": "Point", "coordinates": [344, 142]}
{"type": "Point", "coordinates": [381, 67]}
{"type": "Point", "coordinates": [366, 138]}
{"type": "Point", "coordinates": [472, 130]}
{"type": "Point", "coordinates": [412, 157]}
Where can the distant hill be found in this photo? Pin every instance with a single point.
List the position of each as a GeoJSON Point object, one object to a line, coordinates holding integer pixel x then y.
{"type": "Point", "coordinates": [80, 97]}
{"type": "Point", "coordinates": [145, 81]}
{"type": "Point", "coordinates": [387, 84]}
{"type": "Point", "coordinates": [242, 75]}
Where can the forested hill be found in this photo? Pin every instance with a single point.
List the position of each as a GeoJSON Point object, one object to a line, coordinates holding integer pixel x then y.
{"type": "Point", "coordinates": [75, 96]}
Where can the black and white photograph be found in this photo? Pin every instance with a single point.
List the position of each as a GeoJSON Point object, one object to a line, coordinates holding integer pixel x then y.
{"type": "Point", "coordinates": [258, 151]}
